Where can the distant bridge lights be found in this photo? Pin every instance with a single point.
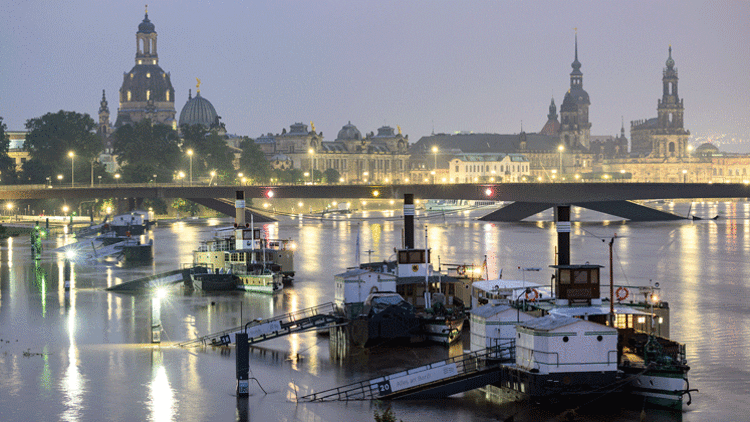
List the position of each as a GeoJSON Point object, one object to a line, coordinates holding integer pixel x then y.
{"type": "Point", "coordinates": [488, 192]}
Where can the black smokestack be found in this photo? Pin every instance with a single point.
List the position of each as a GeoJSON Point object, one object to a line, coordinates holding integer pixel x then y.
{"type": "Point", "coordinates": [409, 220]}
{"type": "Point", "coordinates": [563, 234]}
{"type": "Point", "coordinates": [239, 209]}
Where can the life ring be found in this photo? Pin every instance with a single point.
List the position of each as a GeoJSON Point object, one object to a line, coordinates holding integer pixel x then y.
{"type": "Point", "coordinates": [461, 270]}
{"type": "Point", "coordinates": [622, 293]}
{"type": "Point", "coordinates": [532, 295]}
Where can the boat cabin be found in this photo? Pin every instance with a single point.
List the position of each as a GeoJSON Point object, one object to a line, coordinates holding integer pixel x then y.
{"type": "Point", "coordinates": [491, 325]}
{"type": "Point", "coordinates": [500, 291]}
{"type": "Point", "coordinates": [562, 344]}
{"type": "Point", "coordinates": [577, 284]}
{"type": "Point", "coordinates": [354, 286]}
{"type": "Point", "coordinates": [412, 262]}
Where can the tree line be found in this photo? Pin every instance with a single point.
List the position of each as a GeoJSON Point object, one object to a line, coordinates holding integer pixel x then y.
{"type": "Point", "coordinates": [65, 144]}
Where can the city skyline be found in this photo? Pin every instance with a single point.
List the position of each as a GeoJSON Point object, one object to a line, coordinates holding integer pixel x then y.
{"type": "Point", "coordinates": [488, 67]}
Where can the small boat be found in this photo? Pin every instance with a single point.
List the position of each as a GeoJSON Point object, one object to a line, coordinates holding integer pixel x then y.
{"type": "Point", "coordinates": [134, 223]}
{"type": "Point", "coordinates": [258, 278]}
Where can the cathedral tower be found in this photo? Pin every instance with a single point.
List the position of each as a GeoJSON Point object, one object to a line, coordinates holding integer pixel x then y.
{"type": "Point", "coordinates": [575, 129]}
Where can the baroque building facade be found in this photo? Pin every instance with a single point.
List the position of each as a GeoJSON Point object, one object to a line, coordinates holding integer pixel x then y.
{"type": "Point", "coordinates": [381, 157]}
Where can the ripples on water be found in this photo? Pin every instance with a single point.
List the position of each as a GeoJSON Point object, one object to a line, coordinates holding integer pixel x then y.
{"type": "Point", "coordinates": [85, 354]}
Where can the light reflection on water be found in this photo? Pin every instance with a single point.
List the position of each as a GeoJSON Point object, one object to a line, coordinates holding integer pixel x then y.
{"type": "Point", "coordinates": [95, 348]}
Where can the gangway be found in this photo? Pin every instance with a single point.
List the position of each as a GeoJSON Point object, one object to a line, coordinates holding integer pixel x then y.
{"type": "Point", "coordinates": [435, 380]}
{"type": "Point", "coordinates": [267, 329]}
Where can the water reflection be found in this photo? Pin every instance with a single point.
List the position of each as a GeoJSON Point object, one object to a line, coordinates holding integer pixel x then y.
{"type": "Point", "coordinates": [161, 397]}
{"type": "Point", "coordinates": [72, 382]}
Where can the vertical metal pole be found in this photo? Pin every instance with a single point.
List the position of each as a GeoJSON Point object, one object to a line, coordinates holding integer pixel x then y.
{"type": "Point", "coordinates": [563, 234]}
{"type": "Point", "coordinates": [242, 364]}
{"type": "Point", "coordinates": [611, 286]}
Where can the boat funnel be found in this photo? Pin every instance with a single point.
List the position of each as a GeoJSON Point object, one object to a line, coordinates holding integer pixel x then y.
{"type": "Point", "coordinates": [562, 218]}
{"type": "Point", "coordinates": [239, 209]}
{"type": "Point", "coordinates": [409, 220]}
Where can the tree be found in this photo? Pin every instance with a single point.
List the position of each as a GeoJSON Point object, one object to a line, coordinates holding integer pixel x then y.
{"type": "Point", "coordinates": [210, 151]}
{"type": "Point", "coordinates": [253, 163]}
{"type": "Point", "coordinates": [144, 149]}
{"type": "Point", "coordinates": [7, 164]}
{"type": "Point", "coordinates": [183, 205]}
{"type": "Point", "coordinates": [331, 176]}
{"type": "Point", "coordinates": [52, 137]}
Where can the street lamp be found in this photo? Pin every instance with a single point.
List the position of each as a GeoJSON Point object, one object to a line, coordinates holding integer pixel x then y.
{"type": "Point", "coordinates": [117, 179]}
{"type": "Point", "coordinates": [72, 156]}
{"type": "Point", "coordinates": [181, 176]}
{"type": "Point", "coordinates": [239, 176]}
{"type": "Point", "coordinates": [59, 178]}
{"type": "Point", "coordinates": [100, 180]}
{"type": "Point", "coordinates": [307, 173]}
{"type": "Point", "coordinates": [65, 209]}
{"type": "Point", "coordinates": [213, 174]}
{"type": "Point", "coordinates": [684, 176]}
{"type": "Point", "coordinates": [561, 148]}
{"type": "Point", "coordinates": [190, 154]}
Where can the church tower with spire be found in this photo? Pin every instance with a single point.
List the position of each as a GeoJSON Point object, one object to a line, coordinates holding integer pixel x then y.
{"type": "Point", "coordinates": [104, 129]}
{"type": "Point", "coordinates": [575, 128]}
{"type": "Point", "coordinates": [146, 91]}
{"type": "Point", "coordinates": [552, 127]}
{"type": "Point", "coordinates": [665, 136]}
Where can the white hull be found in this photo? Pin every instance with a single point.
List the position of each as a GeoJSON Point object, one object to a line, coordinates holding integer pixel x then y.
{"type": "Point", "coordinates": [661, 390]}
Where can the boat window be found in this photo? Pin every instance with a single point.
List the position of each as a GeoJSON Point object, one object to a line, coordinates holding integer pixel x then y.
{"type": "Point", "coordinates": [564, 276]}
{"type": "Point", "coordinates": [581, 277]}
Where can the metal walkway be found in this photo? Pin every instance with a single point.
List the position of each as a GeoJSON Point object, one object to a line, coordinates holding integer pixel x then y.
{"type": "Point", "coordinates": [436, 380]}
{"type": "Point", "coordinates": [267, 329]}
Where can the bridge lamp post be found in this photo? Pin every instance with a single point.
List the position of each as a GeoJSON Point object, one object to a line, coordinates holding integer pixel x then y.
{"type": "Point", "coordinates": [72, 156]}
{"type": "Point", "coordinates": [155, 176]}
{"type": "Point", "coordinates": [181, 176]}
{"type": "Point", "coordinates": [117, 179]}
{"type": "Point", "coordinates": [213, 174]}
{"type": "Point", "coordinates": [100, 180]}
{"type": "Point", "coordinates": [190, 154]}
{"type": "Point", "coordinates": [306, 174]}
{"type": "Point", "coordinates": [561, 148]}
{"type": "Point", "coordinates": [684, 176]}
{"type": "Point", "coordinates": [239, 177]}
{"type": "Point", "coordinates": [49, 182]}
{"type": "Point", "coordinates": [59, 178]}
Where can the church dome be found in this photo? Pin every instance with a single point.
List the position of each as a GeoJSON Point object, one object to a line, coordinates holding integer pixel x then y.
{"type": "Point", "coordinates": [146, 82]}
{"type": "Point", "coordinates": [707, 148]}
{"type": "Point", "coordinates": [349, 132]}
{"type": "Point", "coordinates": [146, 27]}
{"type": "Point", "coordinates": [199, 111]}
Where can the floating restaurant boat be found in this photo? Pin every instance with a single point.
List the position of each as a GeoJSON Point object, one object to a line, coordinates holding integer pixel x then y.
{"type": "Point", "coordinates": [134, 223]}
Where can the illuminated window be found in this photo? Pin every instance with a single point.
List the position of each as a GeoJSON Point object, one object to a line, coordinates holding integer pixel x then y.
{"type": "Point", "coordinates": [167, 95]}
{"type": "Point", "coordinates": [130, 95]}
{"type": "Point", "coordinates": [131, 76]}
{"type": "Point", "coordinates": [148, 94]}
{"type": "Point", "coordinates": [148, 74]}
{"type": "Point", "coordinates": [140, 61]}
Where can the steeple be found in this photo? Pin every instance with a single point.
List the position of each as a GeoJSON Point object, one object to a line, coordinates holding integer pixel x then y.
{"type": "Point", "coordinates": [576, 76]}
{"type": "Point", "coordinates": [670, 60]}
{"type": "Point", "coordinates": [103, 105]}
{"type": "Point", "coordinates": [552, 110]}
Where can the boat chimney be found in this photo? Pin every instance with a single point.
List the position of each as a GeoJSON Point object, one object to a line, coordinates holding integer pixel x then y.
{"type": "Point", "coordinates": [239, 209]}
{"type": "Point", "coordinates": [562, 217]}
{"type": "Point", "coordinates": [409, 220]}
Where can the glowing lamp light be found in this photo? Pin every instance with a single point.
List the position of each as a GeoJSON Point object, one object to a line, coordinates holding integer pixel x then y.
{"type": "Point", "coordinates": [269, 194]}
{"type": "Point", "coordinates": [70, 254]}
{"type": "Point", "coordinates": [161, 293]}
{"type": "Point", "coordinates": [376, 193]}
{"type": "Point", "coordinates": [488, 192]}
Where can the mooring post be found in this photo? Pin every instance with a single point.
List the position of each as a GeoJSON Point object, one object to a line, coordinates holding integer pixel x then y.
{"type": "Point", "coordinates": [242, 364]}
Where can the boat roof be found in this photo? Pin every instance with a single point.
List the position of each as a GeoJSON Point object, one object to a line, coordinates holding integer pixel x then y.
{"type": "Point", "coordinates": [549, 322]}
{"type": "Point", "coordinates": [574, 311]}
{"type": "Point", "coordinates": [501, 284]}
{"type": "Point", "coordinates": [489, 310]}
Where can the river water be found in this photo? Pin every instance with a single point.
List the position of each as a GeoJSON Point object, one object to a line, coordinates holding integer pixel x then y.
{"type": "Point", "coordinates": [85, 355]}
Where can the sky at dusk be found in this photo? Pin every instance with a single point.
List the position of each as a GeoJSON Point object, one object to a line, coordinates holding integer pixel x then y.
{"type": "Point", "coordinates": [481, 66]}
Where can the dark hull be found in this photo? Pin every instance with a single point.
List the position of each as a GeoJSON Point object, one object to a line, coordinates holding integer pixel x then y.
{"type": "Point", "coordinates": [213, 282]}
